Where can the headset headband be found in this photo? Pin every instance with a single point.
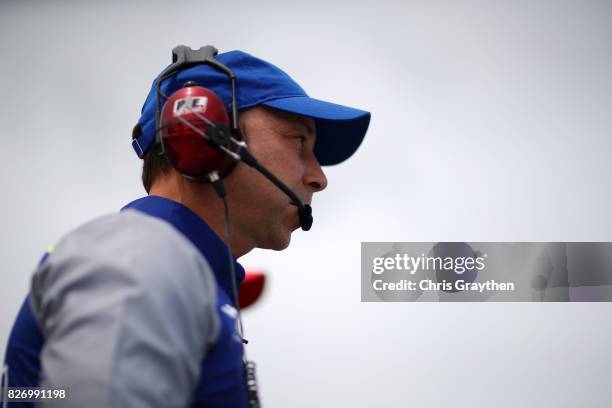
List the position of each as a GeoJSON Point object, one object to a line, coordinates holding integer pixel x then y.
{"type": "Point", "coordinates": [184, 57]}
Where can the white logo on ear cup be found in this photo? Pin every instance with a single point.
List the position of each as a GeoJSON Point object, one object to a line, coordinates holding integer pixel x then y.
{"type": "Point", "coordinates": [190, 104]}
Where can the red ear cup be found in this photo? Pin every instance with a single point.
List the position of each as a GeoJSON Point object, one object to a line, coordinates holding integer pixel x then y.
{"type": "Point", "coordinates": [187, 150]}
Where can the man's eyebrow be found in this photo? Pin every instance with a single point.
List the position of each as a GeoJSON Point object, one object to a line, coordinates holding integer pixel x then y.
{"type": "Point", "coordinates": [295, 124]}
{"type": "Point", "coordinates": [309, 129]}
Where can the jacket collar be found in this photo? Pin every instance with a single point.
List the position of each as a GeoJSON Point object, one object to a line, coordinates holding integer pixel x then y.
{"type": "Point", "coordinates": [198, 232]}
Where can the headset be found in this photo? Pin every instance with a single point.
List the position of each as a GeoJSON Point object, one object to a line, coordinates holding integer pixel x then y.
{"type": "Point", "coordinates": [197, 135]}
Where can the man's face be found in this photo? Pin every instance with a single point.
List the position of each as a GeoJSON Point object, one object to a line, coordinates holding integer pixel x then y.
{"type": "Point", "coordinates": [283, 143]}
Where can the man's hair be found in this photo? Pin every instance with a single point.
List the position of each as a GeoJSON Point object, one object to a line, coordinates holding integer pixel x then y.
{"type": "Point", "coordinates": [154, 164]}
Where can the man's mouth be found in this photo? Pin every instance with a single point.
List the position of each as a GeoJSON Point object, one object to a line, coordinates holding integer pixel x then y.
{"type": "Point", "coordinates": [303, 202]}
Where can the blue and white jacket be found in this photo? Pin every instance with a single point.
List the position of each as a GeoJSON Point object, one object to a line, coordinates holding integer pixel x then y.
{"type": "Point", "coordinates": [133, 310]}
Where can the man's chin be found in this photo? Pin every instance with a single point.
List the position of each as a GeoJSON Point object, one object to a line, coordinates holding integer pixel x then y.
{"type": "Point", "coordinates": [277, 243]}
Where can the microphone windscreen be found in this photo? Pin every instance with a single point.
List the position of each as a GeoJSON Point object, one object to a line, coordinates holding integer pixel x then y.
{"type": "Point", "coordinates": [305, 214]}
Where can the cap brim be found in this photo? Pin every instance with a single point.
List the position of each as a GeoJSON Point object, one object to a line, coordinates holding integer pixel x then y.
{"type": "Point", "coordinates": [340, 129]}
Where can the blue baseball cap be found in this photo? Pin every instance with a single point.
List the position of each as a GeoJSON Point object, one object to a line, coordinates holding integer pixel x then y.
{"type": "Point", "coordinates": [340, 129]}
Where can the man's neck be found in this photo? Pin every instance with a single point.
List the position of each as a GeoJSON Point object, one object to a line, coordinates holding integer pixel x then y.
{"type": "Point", "coordinates": [204, 202]}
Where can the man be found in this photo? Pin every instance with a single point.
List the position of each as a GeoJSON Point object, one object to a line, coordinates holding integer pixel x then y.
{"type": "Point", "coordinates": [137, 309]}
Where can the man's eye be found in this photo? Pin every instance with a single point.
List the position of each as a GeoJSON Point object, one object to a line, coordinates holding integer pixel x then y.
{"type": "Point", "coordinates": [301, 139]}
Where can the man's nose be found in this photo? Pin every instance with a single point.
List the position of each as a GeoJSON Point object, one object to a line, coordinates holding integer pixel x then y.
{"type": "Point", "coordinates": [314, 178]}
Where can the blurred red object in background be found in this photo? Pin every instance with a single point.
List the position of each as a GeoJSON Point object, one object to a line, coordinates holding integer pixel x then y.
{"type": "Point", "coordinates": [251, 288]}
